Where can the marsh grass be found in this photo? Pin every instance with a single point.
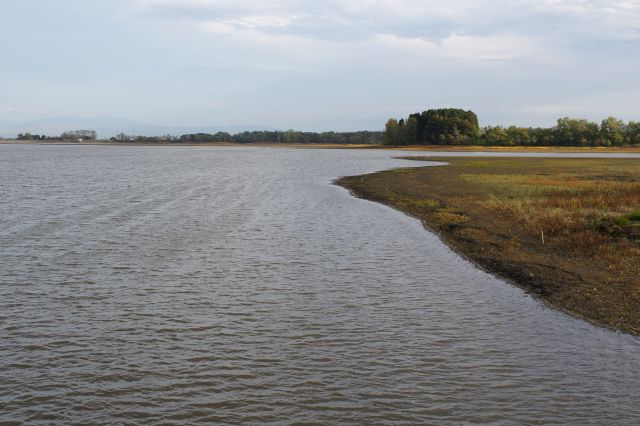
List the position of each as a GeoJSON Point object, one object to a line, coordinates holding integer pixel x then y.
{"type": "Point", "coordinates": [635, 216]}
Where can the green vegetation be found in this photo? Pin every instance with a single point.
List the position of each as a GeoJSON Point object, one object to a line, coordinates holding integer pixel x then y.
{"type": "Point", "coordinates": [269, 137]}
{"type": "Point", "coordinates": [89, 135]}
{"type": "Point", "coordinates": [272, 137]}
{"type": "Point", "coordinates": [123, 137]}
{"type": "Point", "coordinates": [567, 230]}
{"type": "Point", "coordinates": [288, 137]}
{"type": "Point", "coordinates": [447, 126]}
{"type": "Point", "coordinates": [458, 127]}
{"type": "Point", "coordinates": [435, 127]}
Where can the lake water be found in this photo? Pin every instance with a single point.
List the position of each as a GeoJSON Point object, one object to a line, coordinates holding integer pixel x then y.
{"type": "Point", "coordinates": [238, 285]}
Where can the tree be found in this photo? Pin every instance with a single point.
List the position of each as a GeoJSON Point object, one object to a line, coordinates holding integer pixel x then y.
{"type": "Point", "coordinates": [519, 136]}
{"type": "Point", "coordinates": [391, 132]}
{"type": "Point", "coordinates": [575, 132]}
{"type": "Point", "coordinates": [410, 131]}
{"type": "Point", "coordinates": [80, 134]}
{"type": "Point", "coordinates": [612, 131]}
{"type": "Point", "coordinates": [448, 126]}
{"type": "Point", "coordinates": [495, 136]}
{"type": "Point", "coordinates": [632, 133]}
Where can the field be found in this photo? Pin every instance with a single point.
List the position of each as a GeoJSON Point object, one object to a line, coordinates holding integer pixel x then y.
{"type": "Point", "coordinates": [541, 149]}
{"type": "Point", "coordinates": [566, 230]}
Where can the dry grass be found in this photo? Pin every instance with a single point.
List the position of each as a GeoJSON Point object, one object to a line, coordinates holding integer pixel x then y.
{"type": "Point", "coordinates": [568, 230]}
{"type": "Point", "coordinates": [476, 148]}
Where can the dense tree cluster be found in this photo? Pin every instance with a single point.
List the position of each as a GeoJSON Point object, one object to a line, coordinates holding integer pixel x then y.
{"type": "Point", "coordinates": [458, 127]}
{"type": "Point", "coordinates": [289, 136]}
{"type": "Point", "coordinates": [89, 135]}
{"type": "Point", "coordinates": [447, 126]}
{"type": "Point", "coordinates": [122, 137]}
{"type": "Point", "coordinates": [566, 132]}
{"type": "Point", "coordinates": [30, 137]}
{"type": "Point", "coordinates": [205, 137]}
{"type": "Point", "coordinates": [70, 135]}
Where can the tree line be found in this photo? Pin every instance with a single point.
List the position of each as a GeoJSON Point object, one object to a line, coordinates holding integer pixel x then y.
{"type": "Point", "coordinates": [567, 132]}
{"type": "Point", "coordinates": [90, 135]}
{"type": "Point", "coordinates": [447, 126]}
{"type": "Point", "coordinates": [284, 137]}
{"type": "Point", "coordinates": [123, 137]}
{"type": "Point", "coordinates": [287, 137]}
{"type": "Point", "coordinates": [451, 126]}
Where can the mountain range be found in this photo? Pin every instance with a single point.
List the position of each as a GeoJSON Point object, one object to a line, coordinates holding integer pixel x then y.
{"type": "Point", "coordinates": [107, 127]}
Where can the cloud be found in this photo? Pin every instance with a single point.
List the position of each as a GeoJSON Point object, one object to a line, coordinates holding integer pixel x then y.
{"type": "Point", "coordinates": [323, 64]}
{"type": "Point", "coordinates": [305, 34]}
{"type": "Point", "coordinates": [490, 48]}
{"type": "Point", "coordinates": [253, 23]}
{"type": "Point", "coordinates": [434, 19]}
{"type": "Point", "coordinates": [597, 19]}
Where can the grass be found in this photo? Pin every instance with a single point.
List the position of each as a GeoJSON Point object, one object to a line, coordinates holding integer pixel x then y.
{"type": "Point", "coordinates": [635, 216]}
{"type": "Point", "coordinates": [567, 230]}
{"type": "Point", "coordinates": [479, 148]}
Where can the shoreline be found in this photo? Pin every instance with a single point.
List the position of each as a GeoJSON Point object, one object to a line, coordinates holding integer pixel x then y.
{"type": "Point", "coordinates": [414, 148]}
{"type": "Point", "coordinates": [203, 144]}
{"type": "Point", "coordinates": [598, 284]}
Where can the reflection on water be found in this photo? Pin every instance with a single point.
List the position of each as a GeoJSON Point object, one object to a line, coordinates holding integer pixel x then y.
{"type": "Point", "coordinates": [238, 285]}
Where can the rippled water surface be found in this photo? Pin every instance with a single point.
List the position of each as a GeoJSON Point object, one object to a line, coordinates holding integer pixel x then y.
{"type": "Point", "coordinates": [238, 285]}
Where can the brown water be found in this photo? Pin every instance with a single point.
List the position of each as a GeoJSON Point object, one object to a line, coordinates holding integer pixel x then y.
{"type": "Point", "coordinates": [238, 285]}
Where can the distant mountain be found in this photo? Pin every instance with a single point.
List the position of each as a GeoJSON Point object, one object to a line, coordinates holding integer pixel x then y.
{"type": "Point", "coordinates": [107, 127]}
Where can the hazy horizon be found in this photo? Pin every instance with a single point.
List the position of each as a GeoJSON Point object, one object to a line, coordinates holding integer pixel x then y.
{"type": "Point", "coordinates": [318, 66]}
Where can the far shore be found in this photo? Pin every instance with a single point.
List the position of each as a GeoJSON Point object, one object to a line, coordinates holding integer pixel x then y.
{"type": "Point", "coordinates": [413, 148]}
{"type": "Point", "coordinates": [203, 144]}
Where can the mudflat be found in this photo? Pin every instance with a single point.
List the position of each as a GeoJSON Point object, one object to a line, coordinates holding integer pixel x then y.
{"type": "Point", "coordinates": [566, 230]}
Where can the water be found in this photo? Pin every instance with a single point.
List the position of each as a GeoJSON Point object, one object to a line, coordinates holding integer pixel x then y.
{"type": "Point", "coordinates": [238, 285]}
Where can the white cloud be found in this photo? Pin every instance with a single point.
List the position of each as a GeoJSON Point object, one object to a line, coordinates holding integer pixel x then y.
{"type": "Point", "coordinates": [496, 47]}
{"type": "Point", "coordinates": [325, 62]}
{"type": "Point", "coordinates": [598, 19]}
{"type": "Point", "coordinates": [490, 48]}
{"type": "Point", "coordinates": [249, 24]}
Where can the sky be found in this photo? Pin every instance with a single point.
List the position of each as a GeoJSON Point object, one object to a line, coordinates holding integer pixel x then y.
{"type": "Point", "coordinates": [319, 65]}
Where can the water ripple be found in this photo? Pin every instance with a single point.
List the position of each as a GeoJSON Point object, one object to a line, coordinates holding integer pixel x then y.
{"type": "Point", "coordinates": [206, 285]}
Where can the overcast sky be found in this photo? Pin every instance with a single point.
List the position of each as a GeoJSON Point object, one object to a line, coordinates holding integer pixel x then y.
{"type": "Point", "coordinates": [319, 65]}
